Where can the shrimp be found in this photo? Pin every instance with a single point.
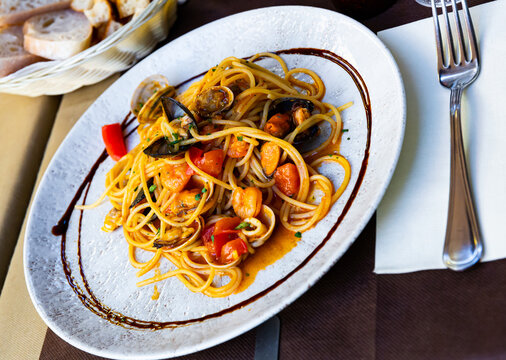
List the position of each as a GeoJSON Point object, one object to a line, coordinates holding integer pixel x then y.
{"type": "Point", "coordinates": [247, 203]}
{"type": "Point", "coordinates": [238, 148]}
{"type": "Point", "coordinates": [175, 177]}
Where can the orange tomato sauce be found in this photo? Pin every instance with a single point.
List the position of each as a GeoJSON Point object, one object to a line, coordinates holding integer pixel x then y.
{"type": "Point", "coordinates": [277, 246]}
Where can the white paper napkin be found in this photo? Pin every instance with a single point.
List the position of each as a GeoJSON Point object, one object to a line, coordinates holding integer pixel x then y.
{"type": "Point", "coordinates": [411, 220]}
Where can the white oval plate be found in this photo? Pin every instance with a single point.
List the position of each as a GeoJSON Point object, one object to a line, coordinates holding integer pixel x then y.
{"type": "Point", "coordinates": [104, 256]}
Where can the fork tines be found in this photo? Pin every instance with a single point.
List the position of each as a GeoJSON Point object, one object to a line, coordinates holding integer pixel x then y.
{"type": "Point", "coordinates": [467, 50]}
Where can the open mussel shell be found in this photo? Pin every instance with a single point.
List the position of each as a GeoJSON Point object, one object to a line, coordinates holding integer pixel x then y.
{"type": "Point", "coordinates": [175, 244]}
{"type": "Point", "coordinates": [146, 89]}
{"type": "Point", "coordinates": [170, 107]}
{"type": "Point", "coordinates": [287, 105]}
{"type": "Point", "coordinates": [164, 147]}
{"type": "Point", "coordinates": [152, 109]}
{"type": "Point", "coordinates": [213, 100]}
{"type": "Point", "coordinates": [307, 135]}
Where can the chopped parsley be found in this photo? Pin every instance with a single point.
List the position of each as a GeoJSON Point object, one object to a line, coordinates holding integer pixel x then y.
{"type": "Point", "coordinates": [176, 135]}
{"type": "Point", "coordinates": [152, 188]}
{"type": "Point", "coordinates": [158, 232]}
{"type": "Point", "coordinates": [298, 234]}
{"type": "Point", "coordinates": [192, 125]}
{"type": "Point", "coordinates": [198, 197]}
{"type": "Point", "coordinates": [212, 238]}
{"type": "Point", "coordinates": [345, 130]}
{"type": "Point", "coordinates": [147, 139]}
{"type": "Point", "coordinates": [204, 190]}
{"type": "Point", "coordinates": [239, 138]}
{"type": "Point", "coordinates": [242, 225]}
{"type": "Point", "coordinates": [247, 274]}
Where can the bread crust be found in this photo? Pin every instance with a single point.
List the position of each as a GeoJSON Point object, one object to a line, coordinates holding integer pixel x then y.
{"type": "Point", "coordinates": [18, 17]}
{"type": "Point", "coordinates": [56, 48]}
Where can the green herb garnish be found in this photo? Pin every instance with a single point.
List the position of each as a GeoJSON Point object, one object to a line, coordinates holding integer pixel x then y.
{"type": "Point", "coordinates": [204, 190]}
{"type": "Point", "coordinates": [212, 238]}
{"type": "Point", "coordinates": [152, 188]}
{"type": "Point", "coordinates": [298, 234]}
{"type": "Point", "coordinates": [198, 197]}
{"type": "Point", "coordinates": [239, 138]}
{"type": "Point", "coordinates": [176, 135]}
{"type": "Point", "coordinates": [242, 225]}
{"type": "Point", "coordinates": [345, 130]}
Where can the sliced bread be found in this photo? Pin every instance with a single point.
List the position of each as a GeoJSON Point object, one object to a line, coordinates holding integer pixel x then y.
{"type": "Point", "coordinates": [81, 5]}
{"type": "Point", "coordinates": [126, 7]}
{"type": "Point", "coordinates": [17, 11]}
{"type": "Point", "coordinates": [108, 29]}
{"type": "Point", "coordinates": [57, 35]}
{"type": "Point", "coordinates": [99, 14]}
{"type": "Point", "coordinates": [140, 7]}
{"type": "Point", "coordinates": [12, 54]}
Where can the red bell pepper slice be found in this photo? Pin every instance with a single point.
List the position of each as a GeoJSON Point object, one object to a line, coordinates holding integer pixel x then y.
{"type": "Point", "coordinates": [114, 141]}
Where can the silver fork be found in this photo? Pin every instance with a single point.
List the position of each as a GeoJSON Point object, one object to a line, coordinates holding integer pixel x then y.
{"type": "Point", "coordinates": [458, 67]}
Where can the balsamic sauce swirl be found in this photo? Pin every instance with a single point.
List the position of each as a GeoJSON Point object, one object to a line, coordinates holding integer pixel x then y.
{"type": "Point", "coordinates": [87, 296]}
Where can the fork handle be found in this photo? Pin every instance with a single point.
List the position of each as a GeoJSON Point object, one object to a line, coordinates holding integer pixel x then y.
{"type": "Point", "coordinates": [463, 246]}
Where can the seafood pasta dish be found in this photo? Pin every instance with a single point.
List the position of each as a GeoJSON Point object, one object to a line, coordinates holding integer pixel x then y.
{"type": "Point", "coordinates": [220, 168]}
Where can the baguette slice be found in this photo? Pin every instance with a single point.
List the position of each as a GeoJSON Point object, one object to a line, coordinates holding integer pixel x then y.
{"type": "Point", "coordinates": [108, 29]}
{"type": "Point", "coordinates": [126, 7]}
{"type": "Point", "coordinates": [17, 11]}
{"type": "Point", "coordinates": [57, 35]}
{"type": "Point", "coordinates": [140, 7]}
{"type": "Point", "coordinates": [12, 54]}
{"type": "Point", "coordinates": [99, 14]}
{"type": "Point", "coordinates": [81, 5]}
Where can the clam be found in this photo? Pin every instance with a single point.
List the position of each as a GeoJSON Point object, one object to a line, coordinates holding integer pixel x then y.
{"type": "Point", "coordinates": [213, 100]}
{"type": "Point", "coordinates": [145, 102]}
{"type": "Point", "coordinates": [267, 218]}
{"type": "Point", "coordinates": [164, 147]}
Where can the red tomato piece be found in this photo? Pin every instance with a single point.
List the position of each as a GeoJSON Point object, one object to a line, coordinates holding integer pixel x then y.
{"type": "Point", "coordinates": [210, 162]}
{"type": "Point", "coordinates": [214, 242]}
{"type": "Point", "coordinates": [228, 223]}
{"type": "Point", "coordinates": [114, 141]}
{"type": "Point", "coordinates": [206, 238]}
{"type": "Point", "coordinates": [232, 250]}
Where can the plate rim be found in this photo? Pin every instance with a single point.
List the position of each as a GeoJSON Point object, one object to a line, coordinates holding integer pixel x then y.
{"type": "Point", "coordinates": [324, 268]}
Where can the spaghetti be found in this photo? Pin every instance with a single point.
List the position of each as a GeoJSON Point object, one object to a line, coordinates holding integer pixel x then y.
{"type": "Point", "coordinates": [204, 189]}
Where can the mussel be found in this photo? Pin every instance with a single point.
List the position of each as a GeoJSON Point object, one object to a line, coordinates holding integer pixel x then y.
{"type": "Point", "coordinates": [141, 196]}
{"type": "Point", "coordinates": [213, 100]}
{"type": "Point", "coordinates": [163, 146]}
{"type": "Point", "coordinates": [288, 105]}
{"type": "Point", "coordinates": [292, 108]}
{"type": "Point", "coordinates": [177, 240]}
{"type": "Point", "coordinates": [145, 104]}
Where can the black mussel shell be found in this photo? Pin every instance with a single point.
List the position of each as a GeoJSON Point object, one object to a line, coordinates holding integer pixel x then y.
{"type": "Point", "coordinates": [287, 104]}
{"type": "Point", "coordinates": [158, 243]}
{"type": "Point", "coordinates": [307, 135]}
{"type": "Point", "coordinates": [168, 107]}
{"type": "Point", "coordinates": [140, 195]}
{"type": "Point", "coordinates": [164, 147]}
